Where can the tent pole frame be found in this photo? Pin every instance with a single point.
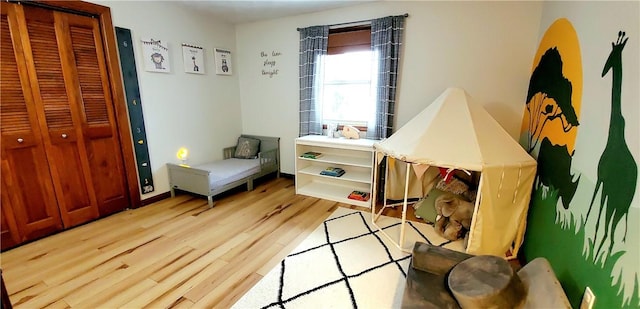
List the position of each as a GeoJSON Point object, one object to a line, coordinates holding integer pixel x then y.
{"type": "Point", "coordinates": [375, 215]}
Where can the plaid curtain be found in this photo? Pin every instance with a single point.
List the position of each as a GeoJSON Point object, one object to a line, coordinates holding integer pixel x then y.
{"type": "Point", "coordinates": [386, 40]}
{"type": "Point", "coordinates": [313, 44]}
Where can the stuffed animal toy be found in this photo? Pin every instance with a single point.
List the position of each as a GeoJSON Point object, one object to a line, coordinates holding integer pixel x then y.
{"type": "Point", "coordinates": [350, 132]}
{"type": "Point", "coordinates": [455, 208]}
{"type": "Point", "coordinates": [456, 215]}
{"type": "Point", "coordinates": [448, 229]}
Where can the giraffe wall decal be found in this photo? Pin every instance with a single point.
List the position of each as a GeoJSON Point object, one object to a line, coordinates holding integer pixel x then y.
{"type": "Point", "coordinates": [617, 170]}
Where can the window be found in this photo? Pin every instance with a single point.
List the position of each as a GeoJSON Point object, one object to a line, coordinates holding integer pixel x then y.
{"type": "Point", "coordinates": [349, 79]}
{"type": "Point", "coordinates": [348, 91]}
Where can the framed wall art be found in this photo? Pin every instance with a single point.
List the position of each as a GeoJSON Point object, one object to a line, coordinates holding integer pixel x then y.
{"type": "Point", "coordinates": [155, 55]}
{"type": "Point", "coordinates": [193, 58]}
{"type": "Point", "coordinates": [223, 61]}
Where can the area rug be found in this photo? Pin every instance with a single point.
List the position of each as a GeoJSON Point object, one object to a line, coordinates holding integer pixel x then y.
{"type": "Point", "coordinates": [344, 263]}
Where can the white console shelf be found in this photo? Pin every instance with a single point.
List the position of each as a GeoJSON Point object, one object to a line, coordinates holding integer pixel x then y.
{"type": "Point", "coordinates": [354, 156]}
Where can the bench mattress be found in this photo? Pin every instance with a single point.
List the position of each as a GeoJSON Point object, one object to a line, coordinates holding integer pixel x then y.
{"type": "Point", "coordinates": [226, 171]}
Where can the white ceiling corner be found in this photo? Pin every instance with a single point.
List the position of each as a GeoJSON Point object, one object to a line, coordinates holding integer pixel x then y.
{"type": "Point", "coordinates": [245, 11]}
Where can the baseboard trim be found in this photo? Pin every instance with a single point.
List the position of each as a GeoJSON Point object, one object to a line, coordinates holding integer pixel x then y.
{"type": "Point", "coordinates": [156, 198]}
{"type": "Point", "coordinates": [289, 176]}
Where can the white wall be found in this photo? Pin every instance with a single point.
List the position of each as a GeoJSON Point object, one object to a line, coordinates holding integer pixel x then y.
{"type": "Point", "coordinates": [200, 112]}
{"type": "Point", "coordinates": [486, 48]}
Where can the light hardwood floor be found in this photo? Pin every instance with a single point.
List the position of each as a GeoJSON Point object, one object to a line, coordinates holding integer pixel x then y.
{"type": "Point", "coordinates": [174, 253]}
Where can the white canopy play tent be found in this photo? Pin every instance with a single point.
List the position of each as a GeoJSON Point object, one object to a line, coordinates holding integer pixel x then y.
{"type": "Point", "coordinates": [454, 132]}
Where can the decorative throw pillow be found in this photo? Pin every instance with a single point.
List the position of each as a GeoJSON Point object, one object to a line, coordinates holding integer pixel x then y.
{"type": "Point", "coordinates": [425, 208]}
{"type": "Point", "coordinates": [247, 148]}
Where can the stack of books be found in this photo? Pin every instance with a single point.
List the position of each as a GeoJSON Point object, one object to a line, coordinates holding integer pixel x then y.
{"type": "Point", "coordinates": [311, 155]}
{"type": "Point", "coordinates": [332, 171]}
{"type": "Point", "coordinates": [359, 195]}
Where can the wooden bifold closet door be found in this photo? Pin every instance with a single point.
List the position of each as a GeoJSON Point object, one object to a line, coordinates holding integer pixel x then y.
{"type": "Point", "coordinates": [61, 159]}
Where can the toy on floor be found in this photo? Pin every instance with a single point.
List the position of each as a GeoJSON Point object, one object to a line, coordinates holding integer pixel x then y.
{"type": "Point", "coordinates": [454, 216]}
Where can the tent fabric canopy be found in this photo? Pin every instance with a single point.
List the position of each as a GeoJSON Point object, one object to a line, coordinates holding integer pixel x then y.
{"type": "Point", "coordinates": [456, 132]}
{"type": "Point", "coordinates": [453, 130]}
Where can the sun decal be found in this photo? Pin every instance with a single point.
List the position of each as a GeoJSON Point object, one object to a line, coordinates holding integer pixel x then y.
{"type": "Point", "coordinates": [552, 112]}
{"type": "Point", "coordinates": [555, 89]}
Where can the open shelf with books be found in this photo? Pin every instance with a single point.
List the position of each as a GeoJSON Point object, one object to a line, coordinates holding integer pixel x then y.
{"type": "Point", "coordinates": [316, 154]}
{"type": "Point", "coordinates": [341, 159]}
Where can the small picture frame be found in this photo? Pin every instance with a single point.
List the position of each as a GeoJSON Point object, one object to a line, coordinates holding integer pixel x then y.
{"type": "Point", "coordinates": [156, 55]}
{"type": "Point", "coordinates": [223, 61]}
{"type": "Point", "coordinates": [193, 58]}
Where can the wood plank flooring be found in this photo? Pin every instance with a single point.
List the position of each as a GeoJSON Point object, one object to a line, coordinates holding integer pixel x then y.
{"type": "Point", "coordinates": [175, 253]}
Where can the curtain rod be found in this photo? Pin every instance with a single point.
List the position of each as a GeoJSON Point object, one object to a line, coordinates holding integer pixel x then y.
{"type": "Point", "coordinates": [355, 22]}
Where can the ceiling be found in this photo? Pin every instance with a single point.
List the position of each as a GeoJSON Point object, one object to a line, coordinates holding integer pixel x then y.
{"type": "Point", "coordinates": [244, 11]}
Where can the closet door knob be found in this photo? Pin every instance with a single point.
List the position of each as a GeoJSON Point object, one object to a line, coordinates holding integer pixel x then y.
{"type": "Point", "coordinates": [20, 140]}
{"type": "Point", "coordinates": [64, 135]}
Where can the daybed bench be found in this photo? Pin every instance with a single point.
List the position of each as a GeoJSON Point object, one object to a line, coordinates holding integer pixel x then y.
{"type": "Point", "coordinates": [213, 178]}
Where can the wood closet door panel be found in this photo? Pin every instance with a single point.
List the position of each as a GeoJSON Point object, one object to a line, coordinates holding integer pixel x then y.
{"type": "Point", "coordinates": [29, 206]}
{"type": "Point", "coordinates": [56, 100]}
{"type": "Point", "coordinates": [97, 114]}
{"type": "Point", "coordinates": [27, 200]}
{"type": "Point", "coordinates": [9, 233]}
